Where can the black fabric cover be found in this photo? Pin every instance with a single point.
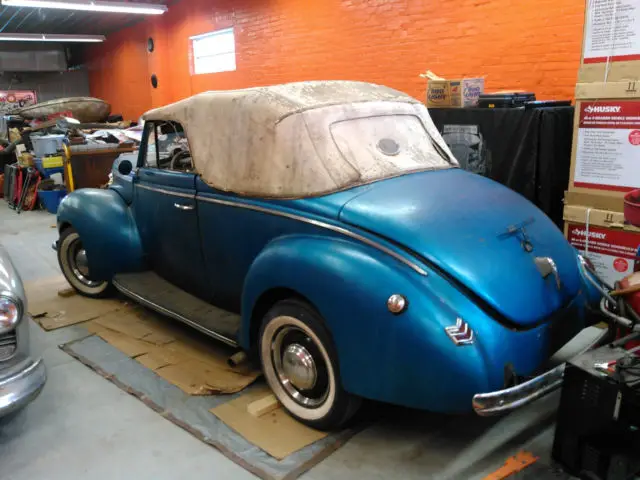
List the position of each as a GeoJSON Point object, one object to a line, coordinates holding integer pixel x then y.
{"type": "Point", "coordinates": [529, 151]}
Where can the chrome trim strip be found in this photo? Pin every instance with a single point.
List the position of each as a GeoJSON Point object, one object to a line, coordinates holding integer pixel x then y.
{"type": "Point", "coordinates": [321, 224]}
{"type": "Point", "coordinates": [179, 206]}
{"type": "Point", "coordinates": [461, 333]}
{"type": "Point", "coordinates": [168, 192]}
{"type": "Point", "coordinates": [172, 314]}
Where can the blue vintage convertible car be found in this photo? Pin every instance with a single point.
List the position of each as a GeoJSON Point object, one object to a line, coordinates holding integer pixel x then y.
{"type": "Point", "coordinates": [325, 228]}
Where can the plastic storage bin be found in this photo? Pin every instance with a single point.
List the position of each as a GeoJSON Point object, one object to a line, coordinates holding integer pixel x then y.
{"type": "Point", "coordinates": [46, 144]}
{"type": "Point", "coordinates": [51, 199]}
{"type": "Point", "coordinates": [47, 172]}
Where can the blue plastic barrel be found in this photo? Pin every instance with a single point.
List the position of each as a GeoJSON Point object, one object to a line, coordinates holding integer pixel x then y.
{"type": "Point", "coordinates": [51, 199]}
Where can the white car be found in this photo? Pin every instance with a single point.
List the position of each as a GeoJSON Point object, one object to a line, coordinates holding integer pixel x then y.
{"type": "Point", "coordinates": [21, 377]}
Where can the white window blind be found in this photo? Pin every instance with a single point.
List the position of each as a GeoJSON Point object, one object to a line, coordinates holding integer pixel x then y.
{"type": "Point", "coordinates": [214, 52]}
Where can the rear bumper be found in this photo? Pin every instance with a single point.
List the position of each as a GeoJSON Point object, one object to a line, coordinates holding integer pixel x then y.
{"type": "Point", "coordinates": [22, 386]}
{"type": "Point", "coordinates": [503, 401]}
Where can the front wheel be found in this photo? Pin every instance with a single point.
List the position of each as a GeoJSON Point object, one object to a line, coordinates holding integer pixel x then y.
{"type": "Point", "coordinates": [72, 258]}
{"type": "Point", "coordinates": [301, 366]}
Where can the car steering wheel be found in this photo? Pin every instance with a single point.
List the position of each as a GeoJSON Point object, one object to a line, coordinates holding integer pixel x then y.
{"type": "Point", "coordinates": [179, 156]}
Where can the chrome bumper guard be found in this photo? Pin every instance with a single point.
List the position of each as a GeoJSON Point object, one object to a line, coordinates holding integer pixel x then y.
{"type": "Point", "coordinates": [503, 401]}
{"type": "Point", "coordinates": [22, 387]}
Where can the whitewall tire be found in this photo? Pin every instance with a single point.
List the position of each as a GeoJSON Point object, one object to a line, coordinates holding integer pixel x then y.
{"type": "Point", "coordinates": [300, 365]}
{"type": "Point", "coordinates": [72, 259]}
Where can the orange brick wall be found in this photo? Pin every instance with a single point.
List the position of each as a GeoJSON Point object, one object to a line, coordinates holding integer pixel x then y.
{"type": "Point", "coordinates": [514, 44]}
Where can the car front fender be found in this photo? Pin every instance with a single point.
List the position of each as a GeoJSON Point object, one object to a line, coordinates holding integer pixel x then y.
{"type": "Point", "coordinates": [406, 358]}
{"type": "Point", "coordinates": [107, 229]}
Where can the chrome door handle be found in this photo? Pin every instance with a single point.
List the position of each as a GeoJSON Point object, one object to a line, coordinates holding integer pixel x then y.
{"type": "Point", "coordinates": [183, 207]}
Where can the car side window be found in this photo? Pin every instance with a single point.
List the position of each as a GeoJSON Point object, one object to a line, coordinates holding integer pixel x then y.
{"type": "Point", "coordinates": [168, 148]}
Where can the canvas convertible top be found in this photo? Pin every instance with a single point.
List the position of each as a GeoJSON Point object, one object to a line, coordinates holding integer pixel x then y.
{"type": "Point", "coordinates": [305, 139]}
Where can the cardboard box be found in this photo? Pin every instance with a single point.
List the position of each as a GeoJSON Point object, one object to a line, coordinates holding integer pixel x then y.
{"type": "Point", "coordinates": [611, 41]}
{"type": "Point", "coordinates": [629, 89]}
{"type": "Point", "coordinates": [610, 244]}
{"type": "Point", "coordinates": [612, 251]}
{"type": "Point", "coordinates": [606, 138]}
{"type": "Point", "coordinates": [598, 217]}
{"type": "Point", "coordinates": [595, 199]}
{"type": "Point", "coordinates": [457, 93]}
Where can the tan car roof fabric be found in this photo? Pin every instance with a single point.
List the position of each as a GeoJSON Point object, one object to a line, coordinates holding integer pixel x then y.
{"type": "Point", "coordinates": [279, 141]}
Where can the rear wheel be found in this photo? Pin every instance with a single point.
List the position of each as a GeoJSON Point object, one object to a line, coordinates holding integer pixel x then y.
{"type": "Point", "coordinates": [301, 366]}
{"type": "Point", "coordinates": [72, 258]}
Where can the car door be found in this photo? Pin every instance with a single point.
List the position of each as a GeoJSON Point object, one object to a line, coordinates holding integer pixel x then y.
{"type": "Point", "coordinates": [165, 208]}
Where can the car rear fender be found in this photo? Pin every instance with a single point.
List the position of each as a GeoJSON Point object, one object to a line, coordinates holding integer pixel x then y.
{"type": "Point", "coordinates": [107, 228]}
{"type": "Point", "coordinates": [406, 358]}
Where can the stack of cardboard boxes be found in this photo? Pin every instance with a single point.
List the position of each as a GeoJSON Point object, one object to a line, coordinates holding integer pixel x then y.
{"type": "Point", "coordinates": [606, 140]}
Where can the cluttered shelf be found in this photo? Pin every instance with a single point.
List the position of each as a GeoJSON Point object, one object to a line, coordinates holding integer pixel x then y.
{"type": "Point", "coordinates": [58, 147]}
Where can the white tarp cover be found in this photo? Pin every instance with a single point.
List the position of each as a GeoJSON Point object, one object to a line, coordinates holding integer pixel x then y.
{"type": "Point", "coordinates": [305, 139]}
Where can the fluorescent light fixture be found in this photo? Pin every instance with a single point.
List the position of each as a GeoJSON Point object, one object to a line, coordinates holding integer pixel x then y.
{"type": "Point", "coordinates": [49, 37]}
{"type": "Point", "coordinates": [91, 6]}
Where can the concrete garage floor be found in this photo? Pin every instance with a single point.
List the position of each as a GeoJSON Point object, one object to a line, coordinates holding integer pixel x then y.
{"type": "Point", "coordinates": [82, 426]}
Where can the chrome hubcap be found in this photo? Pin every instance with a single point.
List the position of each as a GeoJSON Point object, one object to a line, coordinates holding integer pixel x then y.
{"type": "Point", "coordinates": [300, 367]}
{"type": "Point", "coordinates": [77, 258]}
{"type": "Point", "coordinates": [81, 262]}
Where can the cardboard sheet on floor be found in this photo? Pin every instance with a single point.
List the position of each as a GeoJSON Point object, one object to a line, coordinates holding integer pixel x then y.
{"type": "Point", "coordinates": [193, 413]}
{"type": "Point", "coordinates": [187, 359]}
{"type": "Point", "coordinates": [52, 311]}
{"type": "Point", "coordinates": [275, 432]}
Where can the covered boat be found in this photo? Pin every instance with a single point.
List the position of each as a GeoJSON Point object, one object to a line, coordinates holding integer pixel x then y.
{"type": "Point", "coordinates": [85, 109]}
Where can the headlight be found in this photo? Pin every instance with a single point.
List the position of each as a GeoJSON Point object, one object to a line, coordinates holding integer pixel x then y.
{"type": "Point", "coordinates": [10, 313]}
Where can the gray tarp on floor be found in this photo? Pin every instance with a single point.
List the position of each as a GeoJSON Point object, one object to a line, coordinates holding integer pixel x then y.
{"type": "Point", "coordinates": [192, 412]}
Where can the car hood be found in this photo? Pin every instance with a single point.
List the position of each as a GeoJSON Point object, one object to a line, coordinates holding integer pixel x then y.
{"type": "Point", "coordinates": [480, 234]}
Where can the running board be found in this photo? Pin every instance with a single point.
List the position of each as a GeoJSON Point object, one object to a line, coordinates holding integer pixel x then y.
{"type": "Point", "coordinates": [153, 291]}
